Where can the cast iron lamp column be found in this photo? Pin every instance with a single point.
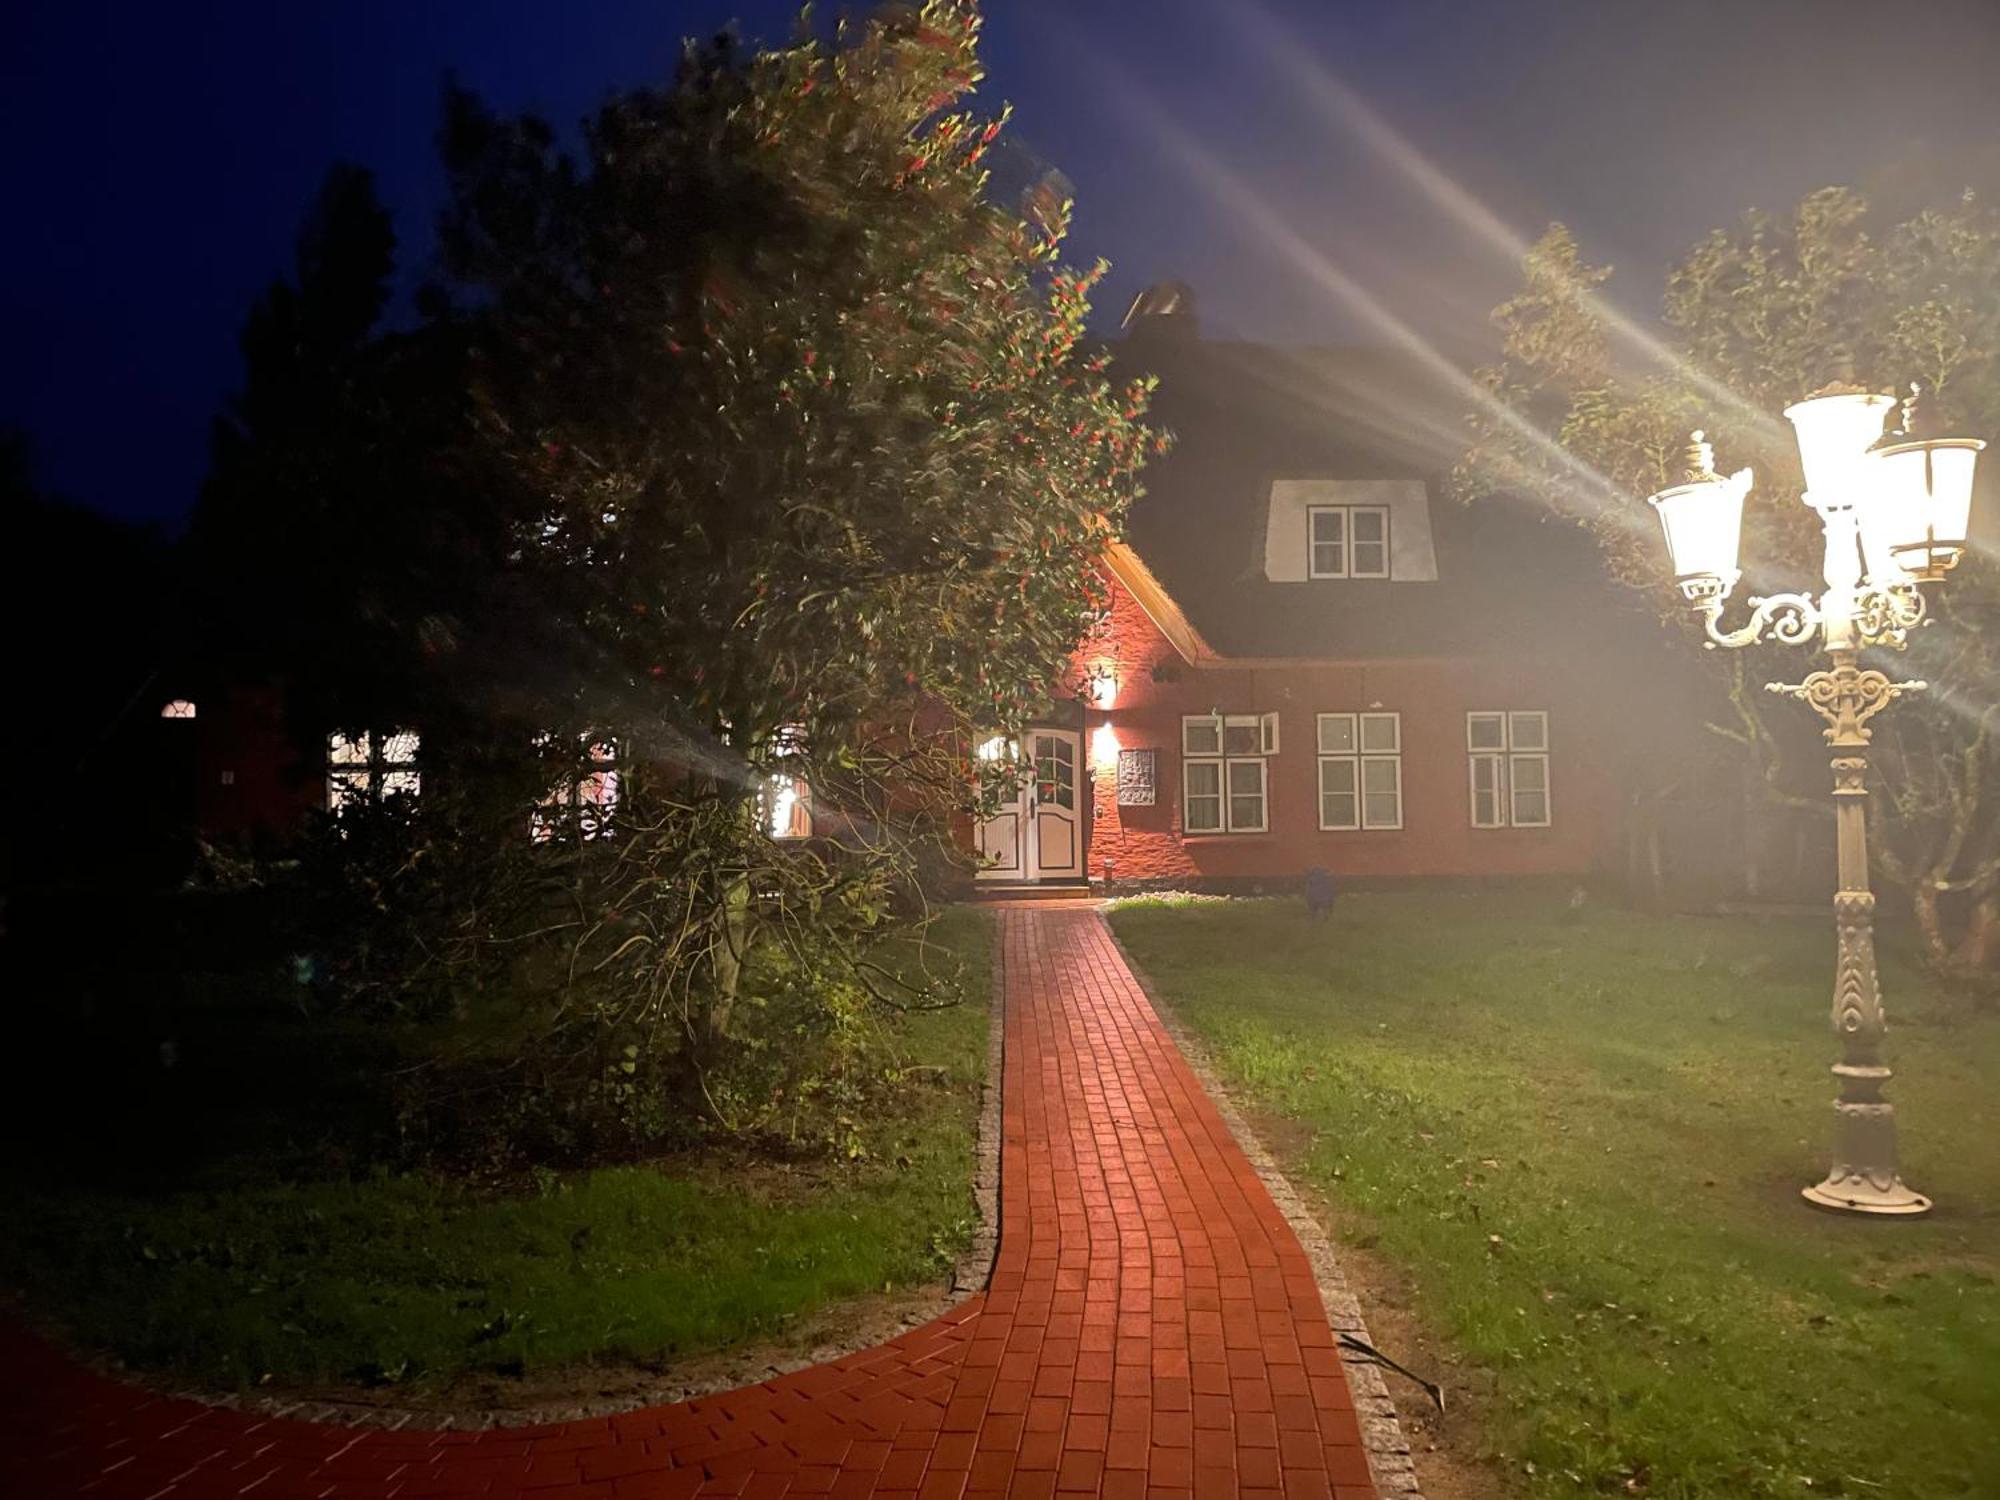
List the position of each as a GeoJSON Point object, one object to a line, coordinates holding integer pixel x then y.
{"type": "Point", "coordinates": [1895, 511]}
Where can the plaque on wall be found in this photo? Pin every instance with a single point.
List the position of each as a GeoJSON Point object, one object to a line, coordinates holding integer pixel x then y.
{"type": "Point", "coordinates": [1135, 777]}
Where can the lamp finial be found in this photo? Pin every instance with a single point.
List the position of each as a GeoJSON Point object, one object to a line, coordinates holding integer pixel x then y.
{"type": "Point", "coordinates": [1916, 411]}
{"type": "Point", "coordinates": [1700, 459]}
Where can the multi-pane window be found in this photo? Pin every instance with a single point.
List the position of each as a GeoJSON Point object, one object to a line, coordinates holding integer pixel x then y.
{"type": "Point", "coordinates": [586, 798]}
{"type": "Point", "coordinates": [370, 767]}
{"type": "Point", "coordinates": [1224, 778]}
{"type": "Point", "coordinates": [788, 798]}
{"type": "Point", "coordinates": [1509, 754]}
{"type": "Point", "coordinates": [1360, 771]}
{"type": "Point", "coordinates": [1348, 541]}
{"type": "Point", "coordinates": [177, 708]}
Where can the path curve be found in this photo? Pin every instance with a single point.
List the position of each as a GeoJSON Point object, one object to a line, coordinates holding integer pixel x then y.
{"type": "Point", "coordinates": [1152, 1328]}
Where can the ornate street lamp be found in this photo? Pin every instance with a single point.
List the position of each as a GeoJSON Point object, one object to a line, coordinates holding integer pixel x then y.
{"type": "Point", "coordinates": [1896, 510]}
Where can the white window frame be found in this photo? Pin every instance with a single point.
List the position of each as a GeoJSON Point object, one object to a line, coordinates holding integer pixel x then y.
{"type": "Point", "coordinates": [1345, 567]}
{"type": "Point", "coordinates": [384, 757]}
{"type": "Point", "coordinates": [1354, 760]}
{"type": "Point", "coordinates": [1213, 731]}
{"type": "Point", "coordinates": [1500, 755]}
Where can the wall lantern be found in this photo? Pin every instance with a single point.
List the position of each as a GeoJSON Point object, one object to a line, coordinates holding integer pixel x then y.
{"type": "Point", "coordinates": [1103, 747]}
{"type": "Point", "coordinates": [1103, 685]}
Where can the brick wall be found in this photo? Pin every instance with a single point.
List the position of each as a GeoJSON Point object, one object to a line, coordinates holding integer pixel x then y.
{"type": "Point", "coordinates": [1155, 688]}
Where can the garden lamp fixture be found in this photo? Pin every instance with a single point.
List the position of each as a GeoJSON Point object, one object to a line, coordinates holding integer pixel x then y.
{"type": "Point", "coordinates": [1895, 510]}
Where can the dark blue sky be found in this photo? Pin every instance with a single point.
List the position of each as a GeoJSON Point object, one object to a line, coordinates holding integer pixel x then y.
{"type": "Point", "coordinates": [155, 158]}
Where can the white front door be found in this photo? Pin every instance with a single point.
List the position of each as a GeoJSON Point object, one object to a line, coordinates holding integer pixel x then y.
{"type": "Point", "coordinates": [1039, 835]}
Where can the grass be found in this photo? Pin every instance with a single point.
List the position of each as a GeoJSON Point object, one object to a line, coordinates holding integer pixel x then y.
{"type": "Point", "coordinates": [414, 1280]}
{"type": "Point", "coordinates": [1581, 1136]}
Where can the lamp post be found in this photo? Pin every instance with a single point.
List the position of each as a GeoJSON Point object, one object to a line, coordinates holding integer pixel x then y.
{"type": "Point", "coordinates": [1895, 510]}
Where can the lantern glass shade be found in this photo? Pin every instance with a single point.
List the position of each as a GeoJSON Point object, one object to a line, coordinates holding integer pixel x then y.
{"type": "Point", "coordinates": [1883, 524]}
{"type": "Point", "coordinates": [1925, 487]}
{"type": "Point", "coordinates": [1703, 522]}
{"type": "Point", "coordinates": [1835, 433]}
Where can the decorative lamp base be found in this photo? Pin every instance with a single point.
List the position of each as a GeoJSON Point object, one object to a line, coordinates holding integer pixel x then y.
{"type": "Point", "coordinates": [1857, 1195]}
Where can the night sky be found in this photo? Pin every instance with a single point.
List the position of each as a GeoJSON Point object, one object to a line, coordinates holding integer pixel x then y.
{"type": "Point", "coordinates": [157, 157]}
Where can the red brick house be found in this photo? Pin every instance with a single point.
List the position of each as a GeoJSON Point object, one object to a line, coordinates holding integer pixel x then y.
{"type": "Point", "coordinates": [1314, 657]}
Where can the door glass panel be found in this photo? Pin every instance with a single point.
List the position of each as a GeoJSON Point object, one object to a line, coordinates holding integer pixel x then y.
{"type": "Point", "coordinates": [1055, 771]}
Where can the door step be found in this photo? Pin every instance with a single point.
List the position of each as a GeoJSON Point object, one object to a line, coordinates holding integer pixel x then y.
{"type": "Point", "coordinates": [1030, 890]}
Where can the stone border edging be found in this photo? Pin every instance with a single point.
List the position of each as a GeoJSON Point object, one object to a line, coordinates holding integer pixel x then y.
{"type": "Point", "coordinates": [1382, 1436]}
{"type": "Point", "coordinates": [969, 1276]}
{"type": "Point", "coordinates": [975, 1267]}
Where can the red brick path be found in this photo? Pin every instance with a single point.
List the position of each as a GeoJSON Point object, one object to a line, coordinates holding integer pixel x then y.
{"type": "Point", "coordinates": [1152, 1329]}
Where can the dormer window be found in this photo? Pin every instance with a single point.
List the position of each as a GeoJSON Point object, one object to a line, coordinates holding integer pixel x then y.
{"type": "Point", "coordinates": [1319, 529]}
{"type": "Point", "coordinates": [1348, 541]}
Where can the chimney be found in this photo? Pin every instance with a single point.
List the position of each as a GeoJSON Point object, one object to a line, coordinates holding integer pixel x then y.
{"type": "Point", "coordinates": [1163, 312]}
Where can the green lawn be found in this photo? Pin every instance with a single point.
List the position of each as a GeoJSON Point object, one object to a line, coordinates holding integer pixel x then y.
{"type": "Point", "coordinates": [413, 1279]}
{"type": "Point", "coordinates": [1582, 1135]}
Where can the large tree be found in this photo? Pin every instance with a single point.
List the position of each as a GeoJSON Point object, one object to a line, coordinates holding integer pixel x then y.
{"type": "Point", "coordinates": [342, 528]}
{"type": "Point", "coordinates": [806, 467]}
{"type": "Point", "coordinates": [79, 660]}
{"type": "Point", "coordinates": [1756, 316]}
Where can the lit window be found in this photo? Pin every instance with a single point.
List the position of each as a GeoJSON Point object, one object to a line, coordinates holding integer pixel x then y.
{"type": "Point", "coordinates": [1224, 779]}
{"type": "Point", "coordinates": [1360, 771]}
{"type": "Point", "coordinates": [787, 798]}
{"type": "Point", "coordinates": [1348, 541]}
{"type": "Point", "coordinates": [790, 805]}
{"type": "Point", "coordinates": [1509, 768]}
{"type": "Point", "coordinates": [586, 798]}
{"type": "Point", "coordinates": [179, 708]}
{"type": "Point", "coordinates": [371, 767]}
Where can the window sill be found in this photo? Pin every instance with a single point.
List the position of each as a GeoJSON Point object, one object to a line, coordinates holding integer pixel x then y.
{"type": "Point", "coordinates": [1223, 835]}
